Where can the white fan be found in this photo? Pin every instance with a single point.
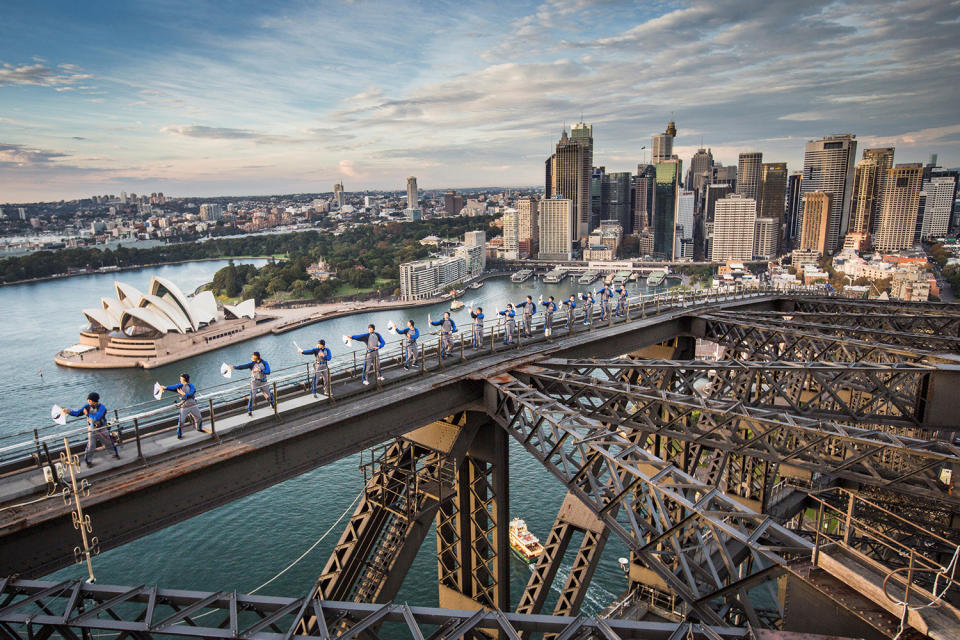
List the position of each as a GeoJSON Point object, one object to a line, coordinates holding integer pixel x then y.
{"type": "Point", "coordinates": [346, 340]}
{"type": "Point", "coordinates": [226, 371]}
{"type": "Point", "coordinates": [391, 327]}
{"type": "Point", "coordinates": [157, 391]}
{"type": "Point", "coordinates": [56, 412]}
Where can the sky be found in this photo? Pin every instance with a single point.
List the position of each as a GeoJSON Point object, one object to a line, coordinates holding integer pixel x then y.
{"type": "Point", "coordinates": [197, 98]}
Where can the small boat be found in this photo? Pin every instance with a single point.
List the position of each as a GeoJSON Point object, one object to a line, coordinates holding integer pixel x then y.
{"type": "Point", "coordinates": [555, 276]}
{"type": "Point", "coordinates": [476, 285]}
{"type": "Point", "coordinates": [526, 545]}
{"type": "Point", "coordinates": [588, 277]}
{"type": "Point", "coordinates": [656, 277]}
{"type": "Point", "coordinates": [456, 305]}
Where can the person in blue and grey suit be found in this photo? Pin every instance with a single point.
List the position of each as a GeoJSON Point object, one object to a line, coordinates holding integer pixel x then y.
{"type": "Point", "coordinates": [605, 294]}
{"type": "Point", "coordinates": [374, 342]}
{"type": "Point", "coordinates": [622, 295]}
{"type": "Point", "coordinates": [549, 308]}
{"type": "Point", "coordinates": [410, 335]}
{"type": "Point", "coordinates": [259, 370]}
{"type": "Point", "coordinates": [97, 431]}
{"type": "Point", "coordinates": [529, 310]}
{"type": "Point", "coordinates": [477, 315]}
{"type": "Point", "coordinates": [571, 305]}
{"type": "Point", "coordinates": [321, 365]}
{"type": "Point", "coordinates": [447, 328]}
{"type": "Point", "coordinates": [188, 404]}
{"type": "Point", "coordinates": [587, 307]}
{"type": "Point", "coordinates": [509, 324]}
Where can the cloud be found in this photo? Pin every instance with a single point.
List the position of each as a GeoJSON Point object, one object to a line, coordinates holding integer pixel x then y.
{"type": "Point", "coordinates": [227, 133]}
{"type": "Point", "coordinates": [41, 75]}
{"type": "Point", "coordinates": [20, 155]}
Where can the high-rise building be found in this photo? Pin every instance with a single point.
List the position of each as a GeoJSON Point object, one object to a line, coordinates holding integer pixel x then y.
{"type": "Point", "coordinates": [528, 229]}
{"type": "Point", "coordinates": [643, 189]}
{"type": "Point", "coordinates": [938, 205]}
{"type": "Point", "coordinates": [475, 238]}
{"type": "Point", "coordinates": [665, 206]}
{"type": "Point", "coordinates": [734, 224]}
{"type": "Point", "coordinates": [511, 234]}
{"type": "Point", "coordinates": [715, 192]}
{"type": "Point", "coordinates": [865, 177]}
{"type": "Point", "coordinates": [901, 200]}
{"type": "Point", "coordinates": [569, 175]}
{"type": "Point", "coordinates": [338, 195]}
{"type": "Point", "coordinates": [773, 191]}
{"type": "Point", "coordinates": [556, 218]}
{"type": "Point", "coordinates": [615, 198]}
{"type": "Point", "coordinates": [413, 195]}
{"type": "Point", "coordinates": [596, 196]}
{"type": "Point", "coordinates": [473, 251]}
{"type": "Point", "coordinates": [939, 172]}
{"type": "Point", "coordinates": [725, 174]}
{"type": "Point", "coordinates": [828, 166]}
{"type": "Point", "coordinates": [685, 203]}
{"type": "Point", "coordinates": [425, 278]}
{"type": "Point", "coordinates": [749, 174]}
{"type": "Point", "coordinates": [452, 203]}
{"type": "Point", "coordinates": [794, 210]}
{"type": "Point", "coordinates": [701, 170]}
{"type": "Point", "coordinates": [662, 145]}
{"type": "Point", "coordinates": [817, 209]}
{"type": "Point", "coordinates": [765, 236]}
{"type": "Point", "coordinates": [211, 212]}
{"type": "Point", "coordinates": [883, 157]}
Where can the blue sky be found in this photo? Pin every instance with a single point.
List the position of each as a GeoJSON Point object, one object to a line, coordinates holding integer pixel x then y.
{"type": "Point", "coordinates": [200, 98]}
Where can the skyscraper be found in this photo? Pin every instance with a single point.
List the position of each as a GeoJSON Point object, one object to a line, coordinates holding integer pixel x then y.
{"type": "Point", "coordinates": [773, 194]}
{"type": "Point", "coordinates": [413, 195]}
{"type": "Point", "coordinates": [794, 210]}
{"type": "Point", "coordinates": [528, 230]}
{"type": "Point", "coordinates": [685, 202]}
{"type": "Point", "coordinates": [901, 199]}
{"type": "Point", "coordinates": [765, 236]}
{"type": "Point", "coordinates": [643, 189]}
{"type": "Point", "coordinates": [511, 234]}
{"type": "Point", "coordinates": [338, 195]}
{"type": "Point", "coordinates": [735, 219]}
{"type": "Point", "coordinates": [828, 166]}
{"type": "Point", "coordinates": [665, 206]}
{"type": "Point", "coordinates": [452, 203]}
{"type": "Point", "coordinates": [556, 216]}
{"type": "Point", "coordinates": [938, 206]}
{"type": "Point", "coordinates": [864, 191]}
{"type": "Point", "coordinates": [749, 174]}
{"type": "Point", "coordinates": [615, 200]}
{"type": "Point", "coordinates": [715, 192]}
{"type": "Point", "coordinates": [568, 175]}
{"type": "Point", "coordinates": [701, 170]}
{"type": "Point", "coordinates": [662, 145]}
{"type": "Point", "coordinates": [817, 209]}
{"type": "Point", "coordinates": [883, 157]}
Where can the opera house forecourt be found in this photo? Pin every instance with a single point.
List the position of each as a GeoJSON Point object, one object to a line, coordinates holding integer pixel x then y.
{"type": "Point", "coordinates": [163, 325]}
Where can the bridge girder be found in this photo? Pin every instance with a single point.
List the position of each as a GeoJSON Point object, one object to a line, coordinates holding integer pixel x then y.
{"type": "Point", "coordinates": [939, 324]}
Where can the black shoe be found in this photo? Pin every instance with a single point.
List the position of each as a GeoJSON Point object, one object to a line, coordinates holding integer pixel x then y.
{"type": "Point", "coordinates": [314, 395]}
{"type": "Point", "coordinates": [179, 436]}
{"type": "Point", "coordinates": [89, 464]}
{"type": "Point", "coordinates": [250, 413]}
{"type": "Point", "coordinates": [116, 456]}
{"type": "Point", "coordinates": [200, 430]}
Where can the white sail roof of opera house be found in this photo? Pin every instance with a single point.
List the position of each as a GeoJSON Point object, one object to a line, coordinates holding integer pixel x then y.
{"type": "Point", "coordinates": [165, 309]}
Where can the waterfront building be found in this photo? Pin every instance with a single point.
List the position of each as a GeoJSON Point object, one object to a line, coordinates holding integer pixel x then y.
{"type": "Point", "coordinates": [511, 234]}
{"type": "Point", "coordinates": [817, 209]}
{"type": "Point", "coordinates": [556, 218]}
{"type": "Point", "coordinates": [569, 175]}
{"type": "Point", "coordinates": [901, 201]}
{"type": "Point", "coordinates": [423, 279]}
{"type": "Point", "coordinates": [828, 166]}
{"type": "Point", "coordinates": [733, 228]}
{"type": "Point", "coordinates": [476, 261]}
{"type": "Point", "coordinates": [528, 229]}
{"type": "Point", "coordinates": [749, 172]}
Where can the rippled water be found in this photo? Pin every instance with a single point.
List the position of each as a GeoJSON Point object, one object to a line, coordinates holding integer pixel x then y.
{"type": "Point", "coordinates": [243, 544]}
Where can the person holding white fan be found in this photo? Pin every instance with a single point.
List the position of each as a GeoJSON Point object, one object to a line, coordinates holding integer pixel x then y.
{"type": "Point", "coordinates": [374, 342]}
{"type": "Point", "coordinates": [447, 328]}
{"type": "Point", "coordinates": [477, 315]}
{"type": "Point", "coordinates": [187, 404]}
{"type": "Point", "coordinates": [321, 365]}
{"type": "Point", "coordinates": [410, 335]}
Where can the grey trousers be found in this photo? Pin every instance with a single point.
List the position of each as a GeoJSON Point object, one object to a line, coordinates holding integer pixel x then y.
{"type": "Point", "coordinates": [190, 409]}
{"type": "Point", "coordinates": [509, 329]}
{"type": "Point", "coordinates": [259, 386]}
{"type": "Point", "coordinates": [371, 363]}
{"type": "Point", "coordinates": [322, 374]}
{"type": "Point", "coordinates": [547, 322]}
{"type": "Point", "coordinates": [411, 354]}
{"type": "Point", "coordinates": [95, 436]}
{"type": "Point", "coordinates": [446, 343]}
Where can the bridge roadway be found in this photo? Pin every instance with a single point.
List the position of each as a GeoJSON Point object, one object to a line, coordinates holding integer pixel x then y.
{"type": "Point", "coordinates": [176, 480]}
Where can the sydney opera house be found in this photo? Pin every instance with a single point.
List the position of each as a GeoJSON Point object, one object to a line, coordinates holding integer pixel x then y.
{"type": "Point", "coordinates": [137, 329]}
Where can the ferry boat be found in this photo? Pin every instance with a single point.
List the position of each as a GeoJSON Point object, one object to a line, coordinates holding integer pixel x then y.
{"type": "Point", "coordinates": [656, 277]}
{"type": "Point", "coordinates": [621, 278]}
{"type": "Point", "coordinates": [555, 276]}
{"type": "Point", "coordinates": [456, 305]}
{"type": "Point", "coordinates": [526, 545]}
{"type": "Point", "coordinates": [589, 277]}
{"type": "Point", "coordinates": [476, 285]}
{"type": "Point", "coordinates": [522, 276]}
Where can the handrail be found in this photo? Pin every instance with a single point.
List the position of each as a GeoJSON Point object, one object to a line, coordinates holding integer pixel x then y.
{"type": "Point", "coordinates": [348, 366]}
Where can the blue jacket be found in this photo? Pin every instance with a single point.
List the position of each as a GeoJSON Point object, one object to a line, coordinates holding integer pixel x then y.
{"type": "Point", "coordinates": [522, 305]}
{"type": "Point", "coordinates": [326, 355]}
{"type": "Point", "coordinates": [189, 391]}
{"type": "Point", "coordinates": [249, 365]}
{"type": "Point", "coordinates": [363, 337]}
{"type": "Point", "coordinates": [549, 307]}
{"type": "Point", "coordinates": [508, 313]}
{"type": "Point", "coordinates": [414, 333]}
{"type": "Point", "coordinates": [476, 316]}
{"type": "Point", "coordinates": [96, 414]}
{"type": "Point", "coordinates": [453, 325]}
{"type": "Point", "coordinates": [572, 303]}
{"type": "Point", "coordinates": [604, 291]}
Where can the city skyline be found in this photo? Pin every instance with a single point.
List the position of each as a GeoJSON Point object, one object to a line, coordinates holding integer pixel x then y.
{"type": "Point", "coordinates": [179, 98]}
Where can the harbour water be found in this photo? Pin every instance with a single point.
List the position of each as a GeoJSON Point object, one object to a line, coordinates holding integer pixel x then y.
{"type": "Point", "coordinates": [243, 544]}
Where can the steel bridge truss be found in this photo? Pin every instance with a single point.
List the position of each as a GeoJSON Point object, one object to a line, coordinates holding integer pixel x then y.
{"type": "Point", "coordinates": [37, 610]}
{"type": "Point", "coordinates": [695, 430]}
{"type": "Point", "coordinates": [705, 546]}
